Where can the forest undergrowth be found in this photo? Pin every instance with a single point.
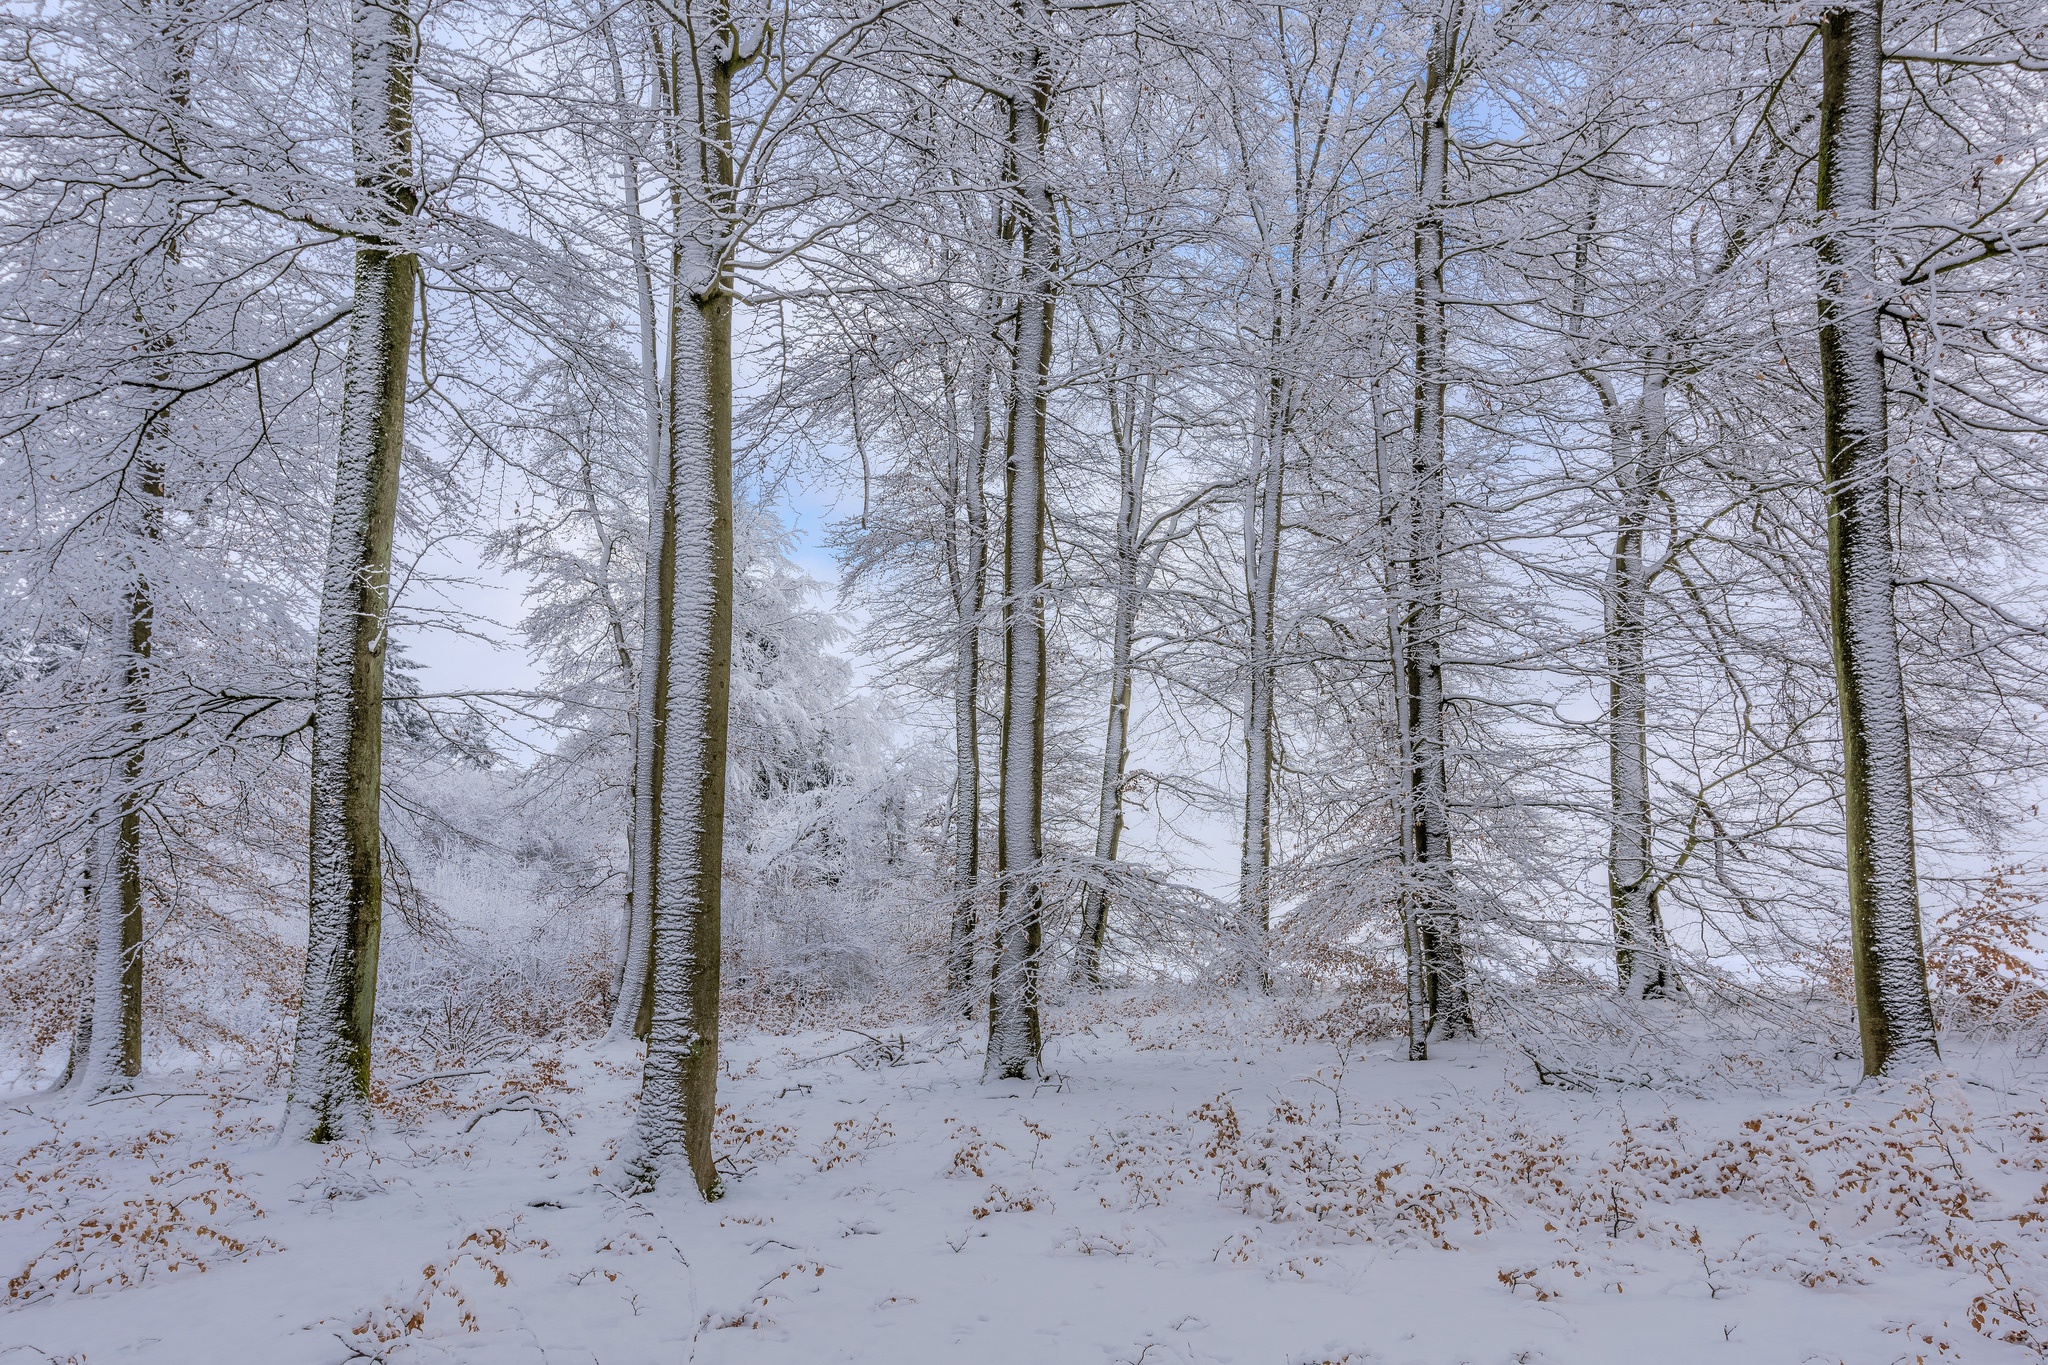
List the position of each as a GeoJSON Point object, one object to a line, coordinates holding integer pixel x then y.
{"type": "Point", "coordinates": [1198, 1179]}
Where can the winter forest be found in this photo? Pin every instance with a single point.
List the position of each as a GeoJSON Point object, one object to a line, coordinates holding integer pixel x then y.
{"type": "Point", "coordinates": [1349, 682]}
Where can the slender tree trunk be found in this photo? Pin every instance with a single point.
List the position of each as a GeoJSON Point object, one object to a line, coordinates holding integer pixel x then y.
{"type": "Point", "coordinates": [1642, 952]}
{"type": "Point", "coordinates": [966, 801]}
{"type": "Point", "coordinates": [1131, 425]}
{"type": "Point", "coordinates": [81, 1033]}
{"type": "Point", "coordinates": [968, 560]}
{"type": "Point", "coordinates": [622, 655]}
{"type": "Point", "coordinates": [650, 750]}
{"type": "Point", "coordinates": [113, 1055]}
{"type": "Point", "coordinates": [110, 1043]}
{"type": "Point", "coordinates": [678, 1093]}
{"type": "Point", "coordinates": [636, 940]}
{"type": "Point", "coordinates": [1892, 1005]}
{"type": "Point", "coordinates": [331, 1061]}
{"type": "Point", "coordinates": [112, 1010]}
{"type": "Point", "coordinates": [1013, 1024]}
{"type": "Point", "coordinates": [1435, 943]}
{"type": "Point", "coordinates": [1397, 516]}
{"type": "Point", "coordinates": [1262, 579]}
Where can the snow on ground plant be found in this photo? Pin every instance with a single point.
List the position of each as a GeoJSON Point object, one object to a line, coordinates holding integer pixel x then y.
{"type": "Point", "coordinates": [1187, 1184]}
{"type": "Point", "coordinates": [1824, 1194]}
{"type": "Point", "coordinates": [94, 1214]}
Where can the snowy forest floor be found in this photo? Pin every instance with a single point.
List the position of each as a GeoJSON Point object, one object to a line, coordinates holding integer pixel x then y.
{"type": "Point", "coordinates": [1189, 1186]}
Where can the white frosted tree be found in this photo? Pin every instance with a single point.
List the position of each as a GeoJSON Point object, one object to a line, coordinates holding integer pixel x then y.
{"type": "Point", "coordinates": [331, 1059]}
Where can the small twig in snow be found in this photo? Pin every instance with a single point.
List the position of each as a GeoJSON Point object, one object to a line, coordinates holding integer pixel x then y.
{"type": "Point", "coordinates": [441, 1076]}
{"type": "Point", "coordinates": [161, 1095]}
{"type": "Point", "coordinates": [521, 1103]}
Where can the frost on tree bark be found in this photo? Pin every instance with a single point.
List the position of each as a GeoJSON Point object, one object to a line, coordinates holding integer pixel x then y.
{"type": "Point", "coordinates": [1262, 579]}
{"type": "Point", "coordinates": [1130, 426]}
{"type": "Point", "coordinates": [1892, 1005]}
{"type": "Point", "coordinates": [967, 562]}
{"type": "Point", "coordinates": [107, 1051]}
{"type": "Point", "coordinates": [111, 1044]}
{"type": "Point", "coordinates": [1013, 1025]}
{"type": "Point", "coordinates": [331, 1059]}
{"type": "Point", "coordinates": [622, 655]}
{"type": "Point", "coordinates": [967, 591]}
{"type": "Point", "coordinates": [636, 940]}
{"type": "Point", "coordinates": [1642, 952]}
{"type": "Point", "coordinates": [698, 48]}
{"type": "Point", "coordinates": [1439, 1000]}
{"type": "Point", "coordinates": [81, 1033]}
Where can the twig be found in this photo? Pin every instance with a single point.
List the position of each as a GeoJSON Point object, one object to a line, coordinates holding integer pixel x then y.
{"type": "Point", "coordinates": [175, 1095]}
{"type": "Point", "coordinates": [521, 1103]}
{"type": "Point", "coordinates": [441, 1076]}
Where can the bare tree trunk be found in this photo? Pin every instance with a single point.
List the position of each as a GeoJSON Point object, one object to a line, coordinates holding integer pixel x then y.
{"type": "Point", "coordinates": [966, 796]}
{"type": "Point", "coordinates": [111, 1012]}
{"type": "Point", "coordinates": [1131, 428]}
{"type": "Point", "coordinates": [1397, 517]}
{"type": "Point", "coordinates": [331, 1060]}
{"type": "Point", "coordinates": [110, 1042]}
{"type": "Point", "coordinates": [1892, 1005]}
{"type": "Point", "coordinates": [1262, 579]}
{"type": "Point", "coordinates": [678, 1092]}
{"type": "Point", "coordinates": [967, 558]}
{"type": "Point", "coordinates": [636, 940]}
{"type": "Point", "coordinates": [650, 753]}
{"type": "Point", "coordinates": [1642, 952]}
{"type": "Point", "coordinates": [1435, 944]}
{"type": "Point", "coordinates": [81, 1032]}
{"type": "Point", "coordinates": [1013, 1024]}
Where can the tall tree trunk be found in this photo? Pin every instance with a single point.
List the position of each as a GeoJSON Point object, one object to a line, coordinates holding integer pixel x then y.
{"type": "Point", "coordinates": [1642, 952]}
{"type": "Point", "coordinates": [622, 655]}
{"type": "Point", "coordinates": [331, 1060]}
{"type": "Point", "coordinates": [1262, 580]}
{"type": "Point", "coordinates": [81, 1033]}
{"type": "Point", "coordinates": [1435, 943]}
{"type": "Point", "coordinates": [636, 940]}
{"type": "Point", "coordinates": [107, 1052]}
{"type": "Point", "coordinates": [1013, 1025]}
{"type": "Point", "coordinates": [108, 1047]}
{"type": "Point", "coordinates": [1131, 427]}
{"type": "Point", "coordinates": [1396, 525]}
{"type": "Point", "coordinates": [1892, 1005]}
{"type": "Point", "coordinates": [966, 797]}
{"type": "Point", "coordinates": [967, 558]}
{"type": "Point", "coordinates": [110, 1041]}
{"type": "Point", "coordinates": [678, 1092]}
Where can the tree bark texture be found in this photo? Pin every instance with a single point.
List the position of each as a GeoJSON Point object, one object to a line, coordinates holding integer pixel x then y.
{"type": "Point", "coordinates": [111, 1011]}
{"type": "Point", "coordinates": [110, 1042]}
{"type": "Point", "coordinates": [1013, 1021]}
{"type": "Point", "coordinates": [1130, 421]}
{"type": "Point", "coordinates": [331, 1060]}
{"type": "Point", "coordinates": [1262, 580]}
{"type": "Point", "coordinates": [1642, 951]}
{"type": "Point", "coordinates": [967, 559]}
{"type": "Point", "coordinates": [1434, 940]}
{"type": "Point", "coordinates": [678, 1093]}
{"type": "Point", "coordinates": [636, 941]}
{"type": "Point", "coordinates": [1892, 1005]}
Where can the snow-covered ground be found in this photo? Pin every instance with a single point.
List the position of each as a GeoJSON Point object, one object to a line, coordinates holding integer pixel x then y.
{"type": "Point", "coordinates": [1186, 1188]}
